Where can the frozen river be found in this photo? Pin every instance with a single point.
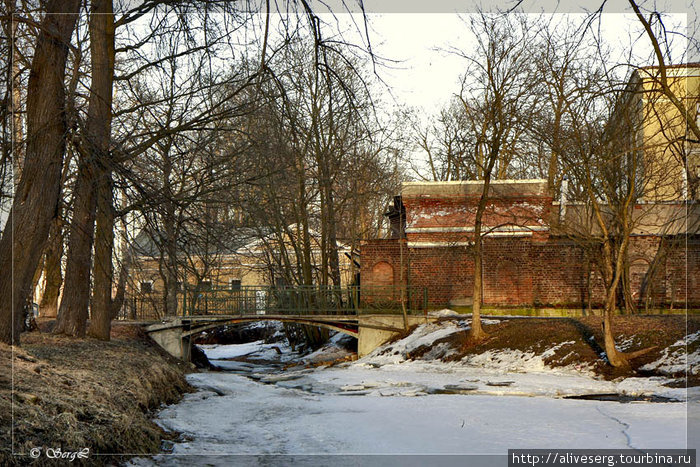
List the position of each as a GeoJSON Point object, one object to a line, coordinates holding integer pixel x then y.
{"type": "Point", "coordinates": [380, 406]}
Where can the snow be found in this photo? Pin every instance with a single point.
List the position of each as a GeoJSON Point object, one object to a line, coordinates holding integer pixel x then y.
{"type": "Point", "coordinates": [220, 352]}
{"type": "Point", "coordinates": [252, 351]}
{"type": "Point", "coordinates": [387, 403]}
{"type": "Point", "coordinates": [676, 359]}
{"type": "Point", "coordinates": [445, 312]}
{"type": "Point", "coordinates": [271, 419]}
{"type": "Point", "coordinates": [424, 335]}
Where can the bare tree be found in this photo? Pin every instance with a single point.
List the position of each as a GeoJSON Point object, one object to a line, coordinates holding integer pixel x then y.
{"type": "Point", "coordinates": [443, 141]}
{"type": "Point", "coordinates": [36, 200]}
{"type": "Point", "coordinates": [497, 103]}
{"type": "Point", "coordinates": [92, 183]}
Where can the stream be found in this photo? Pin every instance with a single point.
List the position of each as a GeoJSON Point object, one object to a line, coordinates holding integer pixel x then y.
{"type": "Point", "coordinates": [268, 407]}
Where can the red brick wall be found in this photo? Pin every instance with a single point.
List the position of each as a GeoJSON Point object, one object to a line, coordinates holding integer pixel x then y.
{"type": "Point", "coordinates": [379, 251]}
{"type": "Point", "coordinates": [507, 271]}
{"type": "Point", "coordinates": [527, 272]}
{"type": "Point", "coordinates": [448, 273]}
{"type": "Point", "coordinates": [682, 273]}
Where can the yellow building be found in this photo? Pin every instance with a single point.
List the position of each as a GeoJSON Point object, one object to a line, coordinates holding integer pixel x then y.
{"type": "Point", "coordinates": [671, 154]}
{"type": "Point", "coordinates": [245, 262]}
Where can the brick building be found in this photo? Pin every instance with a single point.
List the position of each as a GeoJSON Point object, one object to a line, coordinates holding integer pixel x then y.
{"type": "Point", "coordinates": [531, 255]}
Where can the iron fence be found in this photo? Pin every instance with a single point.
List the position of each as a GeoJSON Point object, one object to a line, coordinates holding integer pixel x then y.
{"type": "Point", "coordinates": [305, 300]}
{"type": "Point", "coordinates": [261, 300]}
{"type": "Point", "coordinates": [143, 308]}
{"type": "Point", "coordinates": [270, 300]}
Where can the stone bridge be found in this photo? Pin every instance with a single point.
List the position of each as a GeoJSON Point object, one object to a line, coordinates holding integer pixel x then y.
{"type": "Point", "coordinates": [371, 330]}
{"type": "Point", "coordinates": [373, 315]}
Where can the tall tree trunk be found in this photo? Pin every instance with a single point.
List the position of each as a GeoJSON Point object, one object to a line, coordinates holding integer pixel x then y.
{"type": "Point", "coordinates": [553, 166]}
{"type": "Point", "coordinates": [476, 332]}
{"type": "Point", "coordinates": [96, 184]}
{"type": "Point", "coordinates": [324, 238]}
{"type": "Point", "coordinates": [119, 296]}
{"type": "Point", "coordinates": [73, 313]}
{"type": "Point", "coordinates": [169, 268]}
{"type": "Point", "coordinates": [15, 99]}
{"type": "Point", "coordinates": [101, 304]}
{"type": "Point", "coordinates": [37, 196]}
{"type": "Point", "coordinates": [333, 239]}
{"type": "Point", "coordinates": [613, 274]}
{"type": "Point", "coordinates": [627, 297]}
{"type": "Point", "coordinates": [48, 308]}
{"type": "Point", "coordinates": [306, 260]}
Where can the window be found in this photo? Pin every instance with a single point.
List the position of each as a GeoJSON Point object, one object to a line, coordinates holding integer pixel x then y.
{"type": "Point", "coordinates": [205, 285]}
{"type": "Point", "coordinates": [146, 286]}
{"type": "Point", "coordinates": [235, 284]}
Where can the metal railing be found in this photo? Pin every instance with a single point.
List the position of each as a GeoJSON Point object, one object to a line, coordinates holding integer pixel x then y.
{"type": "Point", "coordinates": [145, 307]}
{"type": "Point", "coordinates": [271, 300]}
{"type": "Point", "coordinates": [305, 300]}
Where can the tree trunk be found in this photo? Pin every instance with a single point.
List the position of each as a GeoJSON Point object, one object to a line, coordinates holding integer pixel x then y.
{"type": "Point", "coordinates": [101, 304]}
{"type": "Point", "coordinates": [333, 240]}
{"type": "Point", "coordinates": [37, 196]}
{"type": "Point", "coordinates": [119, 296]}
{"type": "Point", "coordinates": [615, 357]}
{"type": "Point", "coordinates": [96, 184]}
{"type": "Point", "coordinates": [48, 308]}
{"type": "Point", "coordinates": [612, 280]}
{"type": "Point", "coordinates": [169, 274]}
{"type": "Point", "coordinates": [15, 101]}
{"type": "Point", "coordinates": [629, 301]}
{"type": "Point", "coordinates": [476, 332]}
{"type": "Point", "coordinates": [73, 313]}
{"type": "Point", "coordinates": [306, 260]}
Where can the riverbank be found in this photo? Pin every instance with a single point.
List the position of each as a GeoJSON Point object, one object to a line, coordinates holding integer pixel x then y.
{"type": "Point", "coordinates": [533, 384]}
{"type": "Point", "coordinates": [671, 341]}
{"type": "Point", "coordinates": [75, 394]}
{"type": "Point", "coordinates": [72, 394]}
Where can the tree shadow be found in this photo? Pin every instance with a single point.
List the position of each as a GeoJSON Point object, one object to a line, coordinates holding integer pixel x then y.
{"type": "Point", "coordinates": [587, 334]}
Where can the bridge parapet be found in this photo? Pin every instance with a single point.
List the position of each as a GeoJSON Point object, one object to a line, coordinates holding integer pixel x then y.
{"type": "Point", "coordinates": [299, 300]}
{"type": "Point", "coordinates": [372, 314]}
{"type": "Point", "coordinates": [305, 300]}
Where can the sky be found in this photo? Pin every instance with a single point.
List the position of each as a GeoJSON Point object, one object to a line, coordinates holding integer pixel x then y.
{"type": "Point", "coordinates": [423, 74]}
{"type": "Point", "coordinates": [427, 74]}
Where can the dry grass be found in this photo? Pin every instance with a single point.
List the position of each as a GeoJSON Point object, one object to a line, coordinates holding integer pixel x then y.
{"type": "Point", "coordinates": [72, 394]}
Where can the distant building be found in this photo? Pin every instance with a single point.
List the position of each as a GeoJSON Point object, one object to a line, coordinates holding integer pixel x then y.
{"type": "Point", "coordinates": [528, 261]}
{"type": "Point", "coordinates": [671, 158]}
{"type": "Point", "coordinates": [243, 260]}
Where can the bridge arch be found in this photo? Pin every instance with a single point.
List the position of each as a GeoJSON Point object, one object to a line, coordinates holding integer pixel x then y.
{"type": "Point", "coordinates": [350, 330]}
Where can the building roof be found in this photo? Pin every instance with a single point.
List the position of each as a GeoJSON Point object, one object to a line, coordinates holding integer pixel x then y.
{"type": "Point", "coordinates": [497, 188]}
{"type": "Point", "coordinates": [146, 245]}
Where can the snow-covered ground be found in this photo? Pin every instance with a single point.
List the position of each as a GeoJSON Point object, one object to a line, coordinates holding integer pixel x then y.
{"type": "Point", "coordinates": [388, 404]}
{"type": "Point", "coordinates": [676, 358]}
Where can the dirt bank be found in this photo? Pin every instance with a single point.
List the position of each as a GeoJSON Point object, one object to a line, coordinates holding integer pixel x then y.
{"type": "Point", "coordinates": [76, 394]}
{"type": "Point", "coordinates": [583, 336]}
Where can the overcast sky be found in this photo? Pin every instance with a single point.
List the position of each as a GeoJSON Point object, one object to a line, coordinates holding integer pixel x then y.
{"type": "Point", "coordinates": [428, 75]}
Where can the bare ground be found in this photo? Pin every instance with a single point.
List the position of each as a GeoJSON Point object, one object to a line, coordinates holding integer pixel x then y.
{"type": "Point", "coordinates": [72, 394]}
{"type": "Point", "coordinates": [632, 333]}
